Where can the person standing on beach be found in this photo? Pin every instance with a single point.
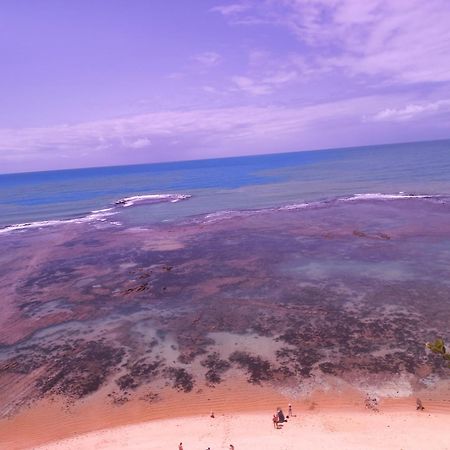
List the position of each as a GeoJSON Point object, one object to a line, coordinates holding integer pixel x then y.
{"type": "Point", "coordinates": [281, 418]}
{"type": "Point", "coordinates": [290, 410]}
{"type": "Point", "coordinates": [275, 421]}
{"type": "Point", "coordinates": [180, 447]}
{"type": "Point", "coordinates": [231, 447]}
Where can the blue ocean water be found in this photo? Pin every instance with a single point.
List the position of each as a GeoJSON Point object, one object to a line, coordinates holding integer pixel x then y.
{"type": "Point", "coordinates": [250, 182]}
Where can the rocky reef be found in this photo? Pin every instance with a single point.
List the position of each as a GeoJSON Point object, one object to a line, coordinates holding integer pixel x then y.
{"type": "Point", "coordinates": [286, 299]}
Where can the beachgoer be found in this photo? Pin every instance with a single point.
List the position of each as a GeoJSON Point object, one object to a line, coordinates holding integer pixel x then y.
{"type": "Point", "coordinates": [231, 447]}
{"type": "Point", "coordinates": [212, 415]}
{"type": "Point", "coordinates": [290, 410]}
{"type": "Point", "coordinates": [280, 414]}
{"type": "Point", "coordinates": [371, 403]}
{"type": "Point", "coordinates": [275, 421]}
{"type": "Point", "coordinates": [180, 447]}
{"type": "Point", "coordinates": [419, 405]}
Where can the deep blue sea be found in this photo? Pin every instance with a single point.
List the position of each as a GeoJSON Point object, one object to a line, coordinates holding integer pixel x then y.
{"type": "Point", "coordinates": [250, 182]}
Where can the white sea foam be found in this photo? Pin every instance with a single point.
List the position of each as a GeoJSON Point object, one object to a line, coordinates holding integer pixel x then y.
{"type": "Point", "coordinates": [380, 196]}
{"type": "Point", "coordinates": [151, 198]}
{"type": "Point", "coordinates": [223, 215]}
{"type": "Point", "coordinates": [229, 214]}
{"type": "Point", "coordinates": [296, 206]}
{"type": "Point", "coordinates": [99, 215]}
{"type": "Point", "coordinates": [360, 197]}
{"type": "Point", "coordinates": [101, 210]}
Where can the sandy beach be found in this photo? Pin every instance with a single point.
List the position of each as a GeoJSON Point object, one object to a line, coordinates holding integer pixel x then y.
{"type": "Point", "coordinates": [242, 417]}
{"type": "Point", "coordinates": [344, 430]}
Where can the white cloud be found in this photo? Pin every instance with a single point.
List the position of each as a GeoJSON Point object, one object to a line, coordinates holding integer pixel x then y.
{"type": "Point", "coordinates": [142, 142]}
{"type": "Point", "coordinates": [208, 59]}
{"type": "Point", "coordinates": [227, 10]}
{"type": "Point", "coordinates": [265, 84]}
{"type": "Point", "coordinates": [251, 86]}
{"type": "Point", "coordinates": [170, 135]}
{"type": "Point", "coordinates": [143, 129]}
{"type": "Point", "coordinates": [280, 78]}
{"type": "Point", "coordinates": [411, 111]}
{"type": "Point", "coordinates": [405, 41]}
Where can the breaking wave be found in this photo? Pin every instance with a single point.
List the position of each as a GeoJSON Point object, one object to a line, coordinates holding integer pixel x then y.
{"type": "Point", "coordinates": [99, 215]}
{"type": "Point", "coordinates": [229, 214]}
{"type": "Point", "coordinates": [151, 198]}
{"type": "Point", "coordinates": [397, 196]}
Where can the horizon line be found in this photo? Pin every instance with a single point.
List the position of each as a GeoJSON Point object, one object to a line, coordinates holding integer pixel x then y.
{"type": "Point", "coordinates": [224, 157]}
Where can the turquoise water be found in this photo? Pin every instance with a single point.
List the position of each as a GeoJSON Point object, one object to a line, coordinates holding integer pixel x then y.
{"type": "Point", "coordinates": [226, 184]}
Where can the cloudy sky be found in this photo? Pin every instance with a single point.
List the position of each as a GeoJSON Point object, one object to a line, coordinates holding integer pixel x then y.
{"type": "Point", "coordinates": [105, 82]}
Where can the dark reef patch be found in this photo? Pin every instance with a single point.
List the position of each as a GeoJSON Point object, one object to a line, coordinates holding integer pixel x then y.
{"type": "Point", "coordinates": [139, 372]}
{"type": "Point", "coordinates": [79, 370]}
{"type": "Point", "coordinates": [216, 368]}
{"type": "Point", "coordinates": [181, 378]}
{"type": "Point", "coordinates": [257, 368]}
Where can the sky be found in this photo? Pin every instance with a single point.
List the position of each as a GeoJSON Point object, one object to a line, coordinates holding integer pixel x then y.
{"type": "Point", "coordinates": [104, 82]}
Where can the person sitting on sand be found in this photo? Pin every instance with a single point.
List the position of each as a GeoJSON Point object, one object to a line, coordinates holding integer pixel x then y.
{"type": "Point", "coordinates": [419, 405]}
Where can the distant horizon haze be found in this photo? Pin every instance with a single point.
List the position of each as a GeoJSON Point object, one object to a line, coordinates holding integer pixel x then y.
{"type": "Point", "coordinates": [385, 144]}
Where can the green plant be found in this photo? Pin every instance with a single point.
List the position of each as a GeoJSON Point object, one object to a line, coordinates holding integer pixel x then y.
{"type": "Point", "coordinates": [438, 347]}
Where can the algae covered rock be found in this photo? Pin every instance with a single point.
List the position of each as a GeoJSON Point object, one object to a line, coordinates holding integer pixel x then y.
{"type": "Point", "coordinates": [437, 346]}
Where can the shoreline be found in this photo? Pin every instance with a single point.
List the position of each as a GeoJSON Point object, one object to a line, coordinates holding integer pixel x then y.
{"type": "Point", "coordinates": [56, 425]}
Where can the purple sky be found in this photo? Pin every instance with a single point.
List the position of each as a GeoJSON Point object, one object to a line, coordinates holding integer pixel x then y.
{"type": "Point", "coordinates": [105, 82]}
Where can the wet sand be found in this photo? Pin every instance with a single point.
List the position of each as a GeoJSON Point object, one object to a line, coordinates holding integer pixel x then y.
{"type": "Point", "coordinates": [160, 424]}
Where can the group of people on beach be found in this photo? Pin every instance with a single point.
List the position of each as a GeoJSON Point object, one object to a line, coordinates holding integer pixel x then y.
{"type": "Point", "coordinates": [180, 447]}
{"type": "Point", "coordinates": [279, 417]}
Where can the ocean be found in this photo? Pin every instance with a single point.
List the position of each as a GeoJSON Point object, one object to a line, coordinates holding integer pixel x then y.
{"type": "Point", "coordinates": [239, 183]}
